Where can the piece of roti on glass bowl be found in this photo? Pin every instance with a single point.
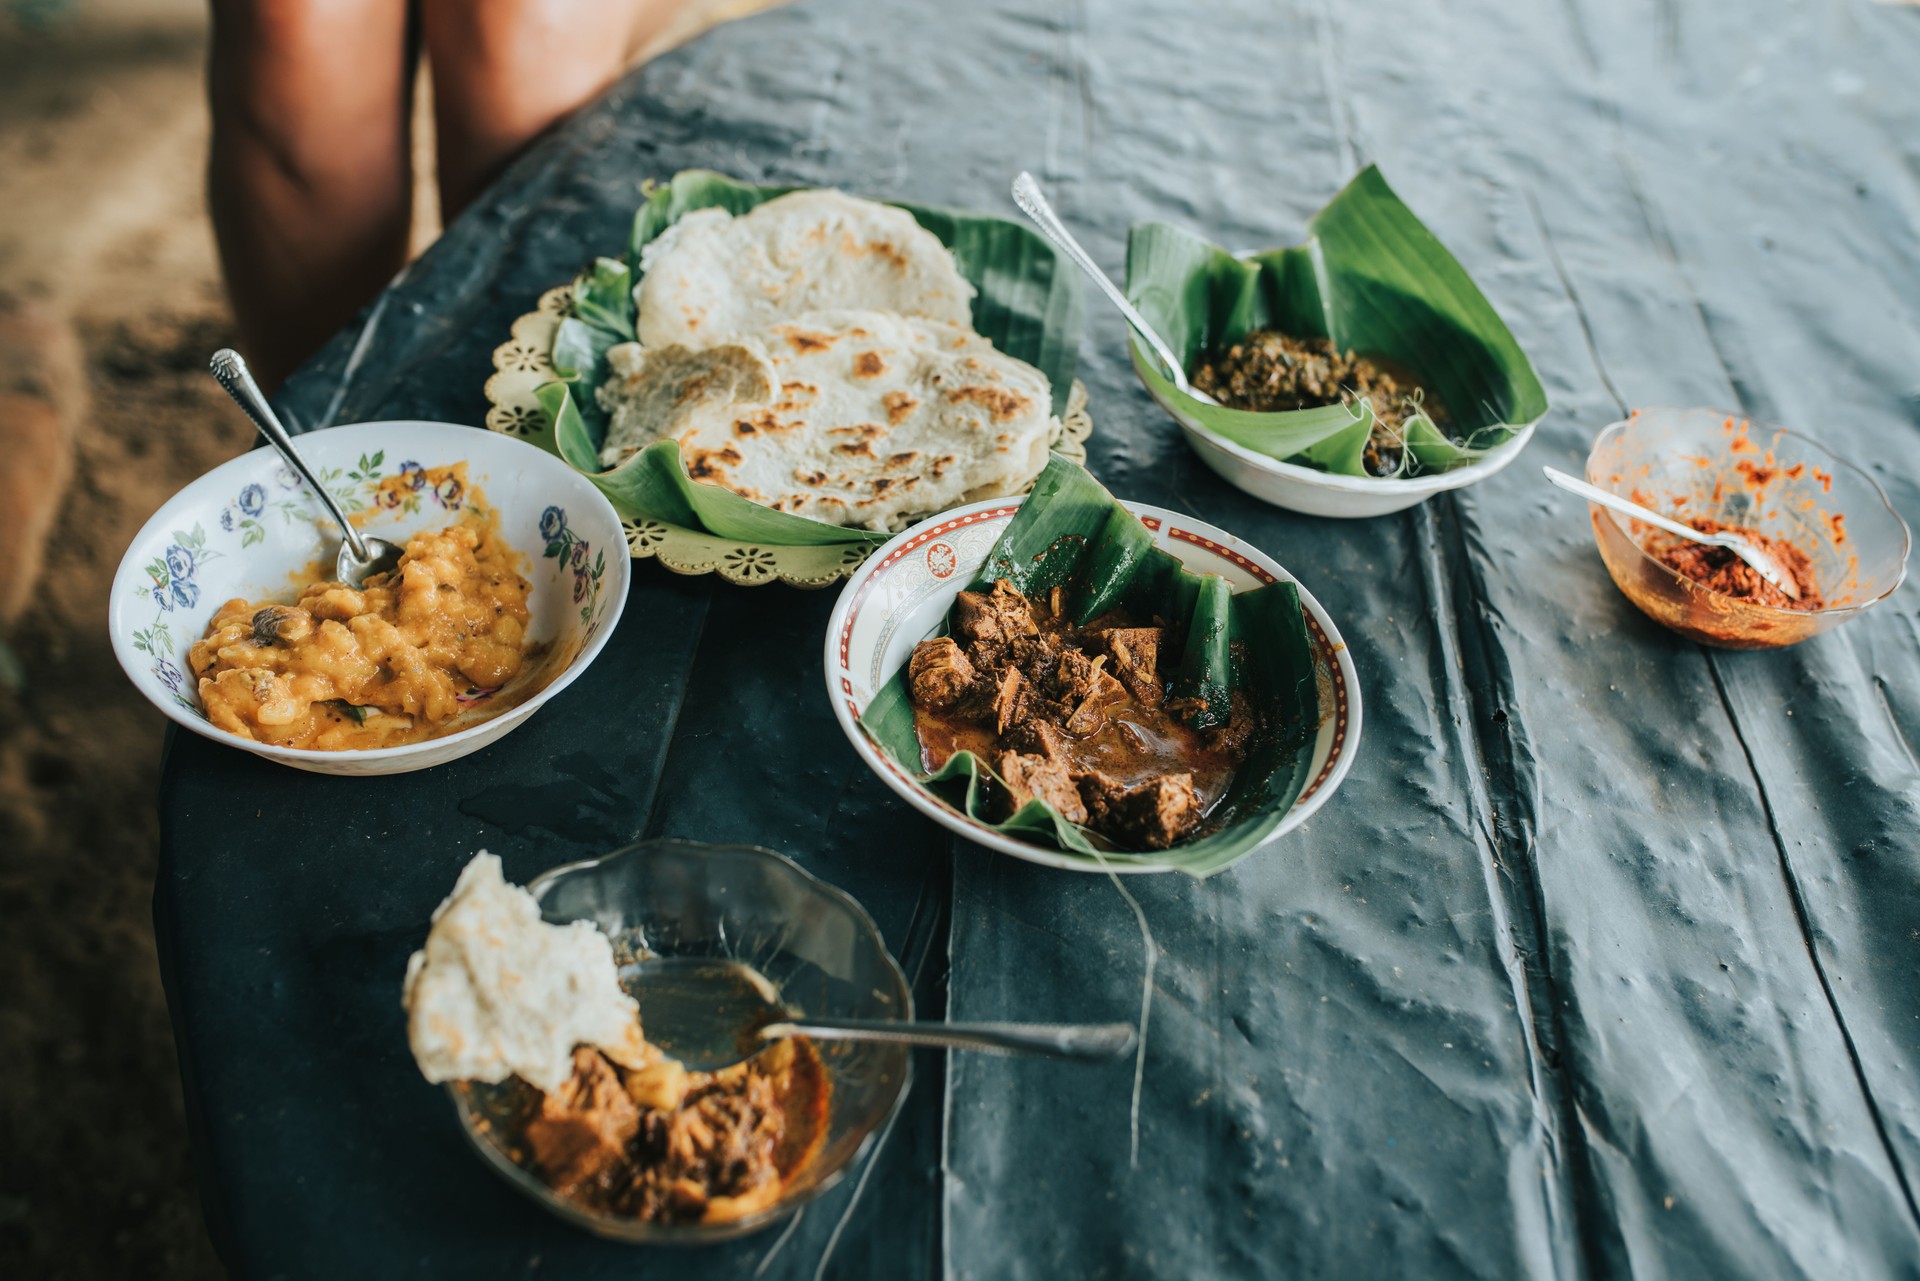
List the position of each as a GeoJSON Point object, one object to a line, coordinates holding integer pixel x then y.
{"type": "Point", "coordinates": [774, 376]}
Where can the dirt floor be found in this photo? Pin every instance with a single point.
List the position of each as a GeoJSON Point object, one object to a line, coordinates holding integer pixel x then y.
{"type": "Point", "coordinates": [110, 305]}
{"type": "Point", "coordinates": [102, 235]}
{"type": "Point", "coordinates": [94, 1175]}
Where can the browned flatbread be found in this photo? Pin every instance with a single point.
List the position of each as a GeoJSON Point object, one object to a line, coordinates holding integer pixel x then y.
{"type": "Point", "coordinates": [872, 417]}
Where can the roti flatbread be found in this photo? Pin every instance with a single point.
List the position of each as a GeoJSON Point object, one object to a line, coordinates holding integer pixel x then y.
{"type": "Point", "coordinates": [712, 277]}
{"type": "Point", "coordinates": [874, 417]}
{"type": "Point", "coordinates": [498, 992]}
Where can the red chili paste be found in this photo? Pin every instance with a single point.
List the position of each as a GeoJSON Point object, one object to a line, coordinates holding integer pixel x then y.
{"type": "Point", "coordinates": [1718, 569]}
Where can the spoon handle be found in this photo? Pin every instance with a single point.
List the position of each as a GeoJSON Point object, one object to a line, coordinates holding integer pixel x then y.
{"type": "Point", "coordinates": [1761, 562]}
{"type": "Point", "coordinates": [1026, 194]}
{"type": "Point", "coordinates": [1626, 507]}
{"type": "Point", "coordinates": [231, 372]}
{"type": "Point", "coordinates": [1064, 1040]}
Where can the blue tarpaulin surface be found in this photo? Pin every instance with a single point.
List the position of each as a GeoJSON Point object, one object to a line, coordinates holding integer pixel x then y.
{"type": "Point", "coordinates": [1605, 960]}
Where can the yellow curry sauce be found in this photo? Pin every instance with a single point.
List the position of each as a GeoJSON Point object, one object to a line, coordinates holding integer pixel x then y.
{"type": "Point", "coordinates": [391, 663]}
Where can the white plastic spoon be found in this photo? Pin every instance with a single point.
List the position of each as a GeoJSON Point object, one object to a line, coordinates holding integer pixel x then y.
{"type": "Point", "coordinates": [1763, 564]}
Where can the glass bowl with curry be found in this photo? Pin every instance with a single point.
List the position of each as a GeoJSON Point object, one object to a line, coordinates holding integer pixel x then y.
{"type": "Point", "coordinates": [717, 1134]}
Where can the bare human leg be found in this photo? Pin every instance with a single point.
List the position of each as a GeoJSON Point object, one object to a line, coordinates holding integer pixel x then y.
{"type": "Point", "coordinates": [504, 71]}
{"type": "Point", "coordinates": [309, 179]}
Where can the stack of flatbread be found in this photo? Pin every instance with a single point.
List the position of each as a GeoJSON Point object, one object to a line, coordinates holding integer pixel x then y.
{"type": "Point", "coordinates": [816, 355]}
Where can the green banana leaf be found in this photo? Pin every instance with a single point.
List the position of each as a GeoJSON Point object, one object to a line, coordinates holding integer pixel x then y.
{"type": "Point", "coordinates": [1373, 279]}
{"type": "Point", "coordinates": [1071, 532]}
{"type": "Point", "coordinates": [1028, 304]}
{"type": "Point", "coordinates": [654, 484]}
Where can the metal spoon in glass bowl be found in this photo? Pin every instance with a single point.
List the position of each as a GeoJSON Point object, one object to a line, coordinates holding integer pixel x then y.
{"type": "Point", "coordinates": [1026, 194]}
{"type": "Point", "coordinates": [711, 1013]}
{"type": "Point", "coordinates": [360, 556]}
{"type": "Point", "coordinates": [1763, 564]}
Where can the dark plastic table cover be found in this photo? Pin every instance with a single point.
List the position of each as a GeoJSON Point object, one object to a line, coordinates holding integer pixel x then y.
{"type": "Point", "coordinates": [1604, 959]}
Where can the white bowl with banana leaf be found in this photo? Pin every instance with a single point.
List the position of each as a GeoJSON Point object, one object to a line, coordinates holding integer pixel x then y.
{"type": "Point", "coordinates": [1232, 622]}
{"type": "Point", "coordinates": [1371, 279]}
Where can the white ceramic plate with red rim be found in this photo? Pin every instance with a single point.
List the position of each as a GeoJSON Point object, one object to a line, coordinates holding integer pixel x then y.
{"type": "Point", "coordinates": [903, 592]}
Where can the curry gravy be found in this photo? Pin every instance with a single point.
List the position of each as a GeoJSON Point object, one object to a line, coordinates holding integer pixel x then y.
{"type": "Point", "coordinates": [394, 662]}
{"type": "Point", "coordinates": [1133, 745]}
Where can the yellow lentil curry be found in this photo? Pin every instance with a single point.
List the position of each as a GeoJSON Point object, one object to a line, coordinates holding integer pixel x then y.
{"type": "Point", "coordinates": [391, 663]}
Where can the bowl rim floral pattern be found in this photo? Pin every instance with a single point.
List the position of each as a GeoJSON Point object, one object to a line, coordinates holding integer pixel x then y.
{"type": "Point", "coordinates": [152, 590]}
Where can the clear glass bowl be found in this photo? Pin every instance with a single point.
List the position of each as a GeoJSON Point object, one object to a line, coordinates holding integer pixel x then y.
{"type": "Point", "coordinates": [1700, 462]}
{"type": "Point", "coordinates": [738, 903]}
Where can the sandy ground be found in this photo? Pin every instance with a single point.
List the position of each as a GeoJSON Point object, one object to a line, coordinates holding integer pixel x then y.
{"type": "Point", "coordinates": [104, 240]}
{"type": "Point", "coordinates": [102, 137]}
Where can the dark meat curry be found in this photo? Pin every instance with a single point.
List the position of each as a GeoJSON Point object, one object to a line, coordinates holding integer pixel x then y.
{"type": "Point", "coordinates": [1080, 716]}
{"type": "Point", "coordinates": [663, 1144]}
{"type": "Point", "coordinates": [1271, 372]}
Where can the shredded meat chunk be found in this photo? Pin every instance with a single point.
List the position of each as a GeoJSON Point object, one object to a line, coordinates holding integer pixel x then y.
{"type": "Point", "coordinates": [1090, 713]}
{"type": "Point", "coordinates": [582, 1128]}
{"type": "Point", "coordinates": [992, 620]}
{"type": "Point", "coordinates": [718, 1145]}
{"type": "Point", "coordinates": [1074, 715]}
{"type": "Point", "coordinates": [1135, 652]}
{"type": "Point", "coordinates": [665, 1144]}
{"type": "Point", "coordinates": [1008, 700]}
{"type": "Point", "coordinates": [1151, 815]}
{"type": "Point", "coordinates": [939, 673]}
{"type": "Point", "coordinates": [1028, 777]}
{"type": "Point", "coordinates": [1074, 677]}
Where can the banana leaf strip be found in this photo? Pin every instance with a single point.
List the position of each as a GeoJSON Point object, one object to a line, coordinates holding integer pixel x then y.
{"type": "Point", "coordinates": [1374, 280]}
{"type": "Point", "coordinates": [603, 316]}
{"type": "Point", "coordinates": [654, 485]}
{"type": "Point", "coordinates": [1070, 532]}
{"type": "Point", "coordinates": [1028, 304]}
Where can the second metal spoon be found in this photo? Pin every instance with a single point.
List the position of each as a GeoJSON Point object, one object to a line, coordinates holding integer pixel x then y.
{"type": "Point", "coordinates": [360, 556]}
{"type": "Point", "coordinates": [710, 1013]}
{"type": "Point", "coordinates": [1060, 1040]}
{"type": "Point", "coordinates": [1763, 564]}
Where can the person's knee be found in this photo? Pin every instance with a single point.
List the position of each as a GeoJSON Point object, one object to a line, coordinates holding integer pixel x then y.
{"type": "Point", "coordinates": [260, 43]}
{"type": "Point", "coordinates": [315, 83]}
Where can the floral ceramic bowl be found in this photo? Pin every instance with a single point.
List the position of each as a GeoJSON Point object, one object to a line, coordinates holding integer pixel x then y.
{"type": "Point", "coordinates": [251, 528]}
